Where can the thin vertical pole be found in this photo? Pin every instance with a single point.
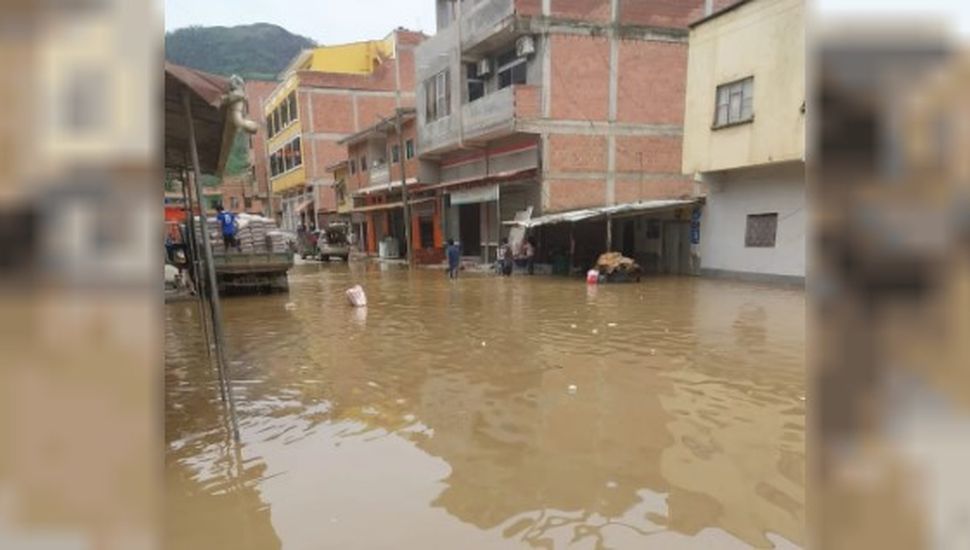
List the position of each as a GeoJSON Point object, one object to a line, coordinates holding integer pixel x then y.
{"type": "Point", "coordinates": [218, 335]}
{"type": "Point", "coordinates": [609, 233]}
{"type": "Point", "coordinates": [193, 252]}
{"type": "Point", "coordinates": [404, 187]}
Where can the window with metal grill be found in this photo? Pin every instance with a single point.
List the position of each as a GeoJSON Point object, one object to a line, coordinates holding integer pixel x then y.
{"type": "Point", "coordinates": [760, 230]}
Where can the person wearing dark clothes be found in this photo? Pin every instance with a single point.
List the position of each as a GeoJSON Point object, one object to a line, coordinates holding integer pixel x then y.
{"type": "Point", "coordinates": [506, 258]}
{"type": "Point", "coordinates": [227, 221]}
{"type": "Point", "coordinates": [454, 258]}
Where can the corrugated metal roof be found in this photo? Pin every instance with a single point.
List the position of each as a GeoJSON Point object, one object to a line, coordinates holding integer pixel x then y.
{"type": "Point", "coordinates": [574, 216]}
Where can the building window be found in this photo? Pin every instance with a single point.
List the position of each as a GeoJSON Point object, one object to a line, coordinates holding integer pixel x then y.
{"type": "Point", "coordinates": [287, 157]}
{"type": "Point", "coordinates": [297, 153]}
{"type": "Point", "coordinates": [269, 125]}
{"type": "Point", "coordinates": [292, 101]}
{"type": "Point", "coordinates": [353, 167]}
{"type": "Point", "coordinates": [476, 84]}
{"type": "Point", "coordinates": [233, 203]}
{"type": "Point", "coordinates": [247, 202]}
{"type": "Point", "coordinates": [511, 69]}
{"type": "Point", "coordinates": [363, 163]}
{"type": "Point", "coordinates": [277, 124]}
{"type": "Point", "coordinates": [409, 149]}
{"type": "Point", "coordinates": [395, 153]}
{"type": "Point", "coordinates": [735, 102]}
{"type": "Point", "coordinates": [760, 230]}
{"type": "Point", "coordinates": [438, 96]}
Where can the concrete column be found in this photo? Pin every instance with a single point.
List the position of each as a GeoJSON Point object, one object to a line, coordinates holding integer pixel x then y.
{"type": "Point", "coordinates": [610, 198]}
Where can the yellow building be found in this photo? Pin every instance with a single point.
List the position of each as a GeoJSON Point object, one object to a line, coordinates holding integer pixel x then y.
{"type": "Point", "coordinates": [324, 95]}
{"type": "Point", "coordinates": [744, 138]}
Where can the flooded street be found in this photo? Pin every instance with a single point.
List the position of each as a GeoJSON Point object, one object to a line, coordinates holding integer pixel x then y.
{"type": "Point", "coordinates": [491, 413]}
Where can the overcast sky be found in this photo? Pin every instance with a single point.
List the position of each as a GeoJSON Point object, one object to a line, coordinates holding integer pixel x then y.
{"type": "Point", "coordinates": [326, 21]}
{"type": "Point", "coordinates": [338, 21]}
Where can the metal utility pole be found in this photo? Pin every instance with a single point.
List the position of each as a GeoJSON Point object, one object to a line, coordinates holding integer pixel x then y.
{"type": "Point", "coordinates": [404, 186]}
{"type": "Point", "coordinates": [210, 267]}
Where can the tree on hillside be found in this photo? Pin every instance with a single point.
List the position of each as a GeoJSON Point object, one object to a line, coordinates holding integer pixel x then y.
{"type": "Point", "coordinates": [255, 52]}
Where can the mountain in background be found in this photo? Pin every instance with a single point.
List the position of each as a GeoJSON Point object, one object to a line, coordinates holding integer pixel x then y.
{"type": "Point", "coordinates": [255, 52]}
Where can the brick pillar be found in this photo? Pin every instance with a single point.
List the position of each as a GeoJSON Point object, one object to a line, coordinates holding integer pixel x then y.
{"type": "Point", "coordinates": [439, 237]}
{"type": "Point", "coordinates": [415, 232]}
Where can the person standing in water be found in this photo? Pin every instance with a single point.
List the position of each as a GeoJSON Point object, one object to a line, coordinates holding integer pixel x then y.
{"type": "Point", "coordinates": [454, 258]}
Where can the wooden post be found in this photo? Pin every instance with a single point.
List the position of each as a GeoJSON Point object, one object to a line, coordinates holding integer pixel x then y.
{"type": "Point", "coordinates": [404, 187]}
{"type": "Point", "coordinates": [218, 335]}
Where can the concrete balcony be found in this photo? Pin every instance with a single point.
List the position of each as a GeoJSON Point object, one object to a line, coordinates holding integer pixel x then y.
{"type": "Point", "coordinates": [485, 19]}
{"type": "Point", "coordinates": [494, 115]}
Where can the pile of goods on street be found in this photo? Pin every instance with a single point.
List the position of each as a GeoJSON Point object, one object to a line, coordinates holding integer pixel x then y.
{"type": "Point", "coordinates": [615, 267]}
{"type": "Point", "coordinates": [255, 234]}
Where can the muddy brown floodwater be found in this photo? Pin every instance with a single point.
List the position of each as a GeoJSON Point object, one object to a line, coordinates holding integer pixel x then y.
{"type": "Point", "coordinates": [529, 412]}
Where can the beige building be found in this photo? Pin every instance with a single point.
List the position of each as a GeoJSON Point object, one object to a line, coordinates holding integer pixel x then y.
{"type": "Point", "coordinates": [744, 139]}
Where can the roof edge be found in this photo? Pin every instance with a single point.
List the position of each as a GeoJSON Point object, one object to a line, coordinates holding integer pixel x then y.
{"type": "Point", "coordinates": [718, 13]}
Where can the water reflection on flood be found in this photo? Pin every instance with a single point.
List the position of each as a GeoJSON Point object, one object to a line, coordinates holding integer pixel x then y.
{"type": "Point", "coordinates": [441, 416]}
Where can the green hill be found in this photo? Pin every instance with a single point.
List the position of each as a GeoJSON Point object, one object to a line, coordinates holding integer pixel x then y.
{"type": "Point", "coordinates": [255, 52]}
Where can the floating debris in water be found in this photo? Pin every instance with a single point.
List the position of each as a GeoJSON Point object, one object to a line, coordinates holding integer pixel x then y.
{"type": "Point", "coordinates": [401, 401]}
{"type": "Point", "coordinates": [290, 306]}
{"type": "Point", "coordinates": [572, 389]}
{"type": "Point", "coordinates": [573, 325]}
{"type": "Point", "coordinates": [373, 384]}
{"type": "Point", "coordinates": [409, 418]}
{"type": "Point", "coordinates": [596, 331]}
{"type": "Point", "coordinates": [612, 485]}
{"type": "Point", "coordinates": [653, 351]}
{"type": "Point", "coordinates": [483, 343]}
{"type": "Point", "coordinates": [611, 325]}
{"type": "Point", "coordinates": [802, 398]}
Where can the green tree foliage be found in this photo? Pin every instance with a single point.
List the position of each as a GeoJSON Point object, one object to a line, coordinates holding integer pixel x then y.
{"type": "Point", "coordinates": [255, 52]}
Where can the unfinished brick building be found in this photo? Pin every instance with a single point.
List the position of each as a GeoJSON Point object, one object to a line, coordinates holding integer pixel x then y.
{"type": "Point", "coordinates": [325, 95]}
{"type": "Point", "coordinates": [556, 106]}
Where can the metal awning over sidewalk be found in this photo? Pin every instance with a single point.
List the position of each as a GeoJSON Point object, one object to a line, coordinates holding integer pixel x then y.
{"type": "Point", "coordinates": [573, 216]}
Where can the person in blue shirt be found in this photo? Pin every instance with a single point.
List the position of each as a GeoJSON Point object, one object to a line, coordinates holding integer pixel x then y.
{"type": "Point", "coordinates": [227, 222]}
{"type": "Point", "coordinates": [454, 258]}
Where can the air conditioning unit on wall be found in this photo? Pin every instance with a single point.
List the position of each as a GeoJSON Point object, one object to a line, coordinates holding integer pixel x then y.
{"type": "Point", "coordinates": [525, 46]}
{"type": "Point", "coordinates": [483, 67]}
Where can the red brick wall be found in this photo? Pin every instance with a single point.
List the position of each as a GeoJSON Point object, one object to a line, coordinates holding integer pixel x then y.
{"type": "Point", "coordinates": [326, 199]}
{"type": "Point", "coordinates": [631, 190]}
{"type": "Point", "coordinates": [590, 10]}
{"type": "Point", "coordinates": [661, 13]}
{"type": "Point", "coordinates": [256, 93]}
{"type": "Point", "coordinates": [528, 7]}
{"type": "Point", "coordinates": [660, 154]}
{"type": "Point", "coordinates": [370, 110]}
{"type": "Point", "coordinates": [325, 152]}
{"type": "Point", "coordinates": [331, 114]}
{"type": "Point", "coordinates": [577, 153]}
{"type": "Point", "coordinates": [652, 82]}
{"type": "Point", "coordinates": [527, 101]}
{"type": "Point", "coordinates": [580, 77]}
{"type": "Point", "coordinates": [406, 60]}
{"type": "Point", "coordinates": [573, 194]}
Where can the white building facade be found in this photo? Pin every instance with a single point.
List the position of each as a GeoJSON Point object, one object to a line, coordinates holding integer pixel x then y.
{"type": "Point", "coordinates": [744, 140]}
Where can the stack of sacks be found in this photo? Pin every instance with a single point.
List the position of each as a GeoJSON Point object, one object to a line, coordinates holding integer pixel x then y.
{"type": "Point", "coordinates": [277, 241]}
{"type": "Point", "coordinates": [215, 236]}
{"type": "Point", "coordinates": [256, 235]}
